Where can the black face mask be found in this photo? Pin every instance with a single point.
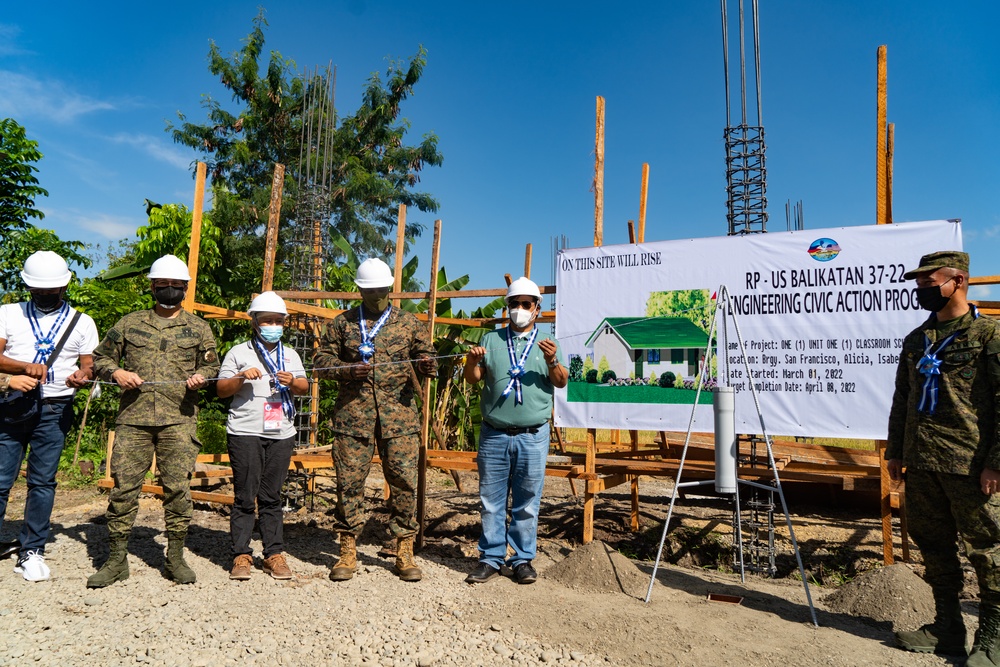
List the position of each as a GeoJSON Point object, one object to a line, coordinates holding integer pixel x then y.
{"type": "Point", "coordinates": [930, 298]}
{"type": "Point", "coordinates": [47, 302]}
{"type": "Point", "coordinates": [168, 297]}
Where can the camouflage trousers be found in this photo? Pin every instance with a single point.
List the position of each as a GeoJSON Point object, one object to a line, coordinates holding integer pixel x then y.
{"type": "Point", "coordinates": [352, 458]}
{"type": "Point", "coordinates": [940, 507]}
{"type": "Point", "coordinates": [176, 447]}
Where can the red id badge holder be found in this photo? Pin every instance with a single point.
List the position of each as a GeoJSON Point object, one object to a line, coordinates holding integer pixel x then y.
{"type": "Point", "coordinates": [273, 416]}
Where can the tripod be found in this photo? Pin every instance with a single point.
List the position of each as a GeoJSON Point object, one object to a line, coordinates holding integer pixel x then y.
{"type": "Point", "coordinates": [725, 444]}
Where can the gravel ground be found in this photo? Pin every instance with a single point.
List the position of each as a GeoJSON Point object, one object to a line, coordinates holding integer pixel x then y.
{"type": "Point", "coordinates": [570, 617]}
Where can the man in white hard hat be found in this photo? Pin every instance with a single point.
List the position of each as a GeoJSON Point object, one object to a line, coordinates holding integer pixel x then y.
{"type": "Point", "coordinates": [30, 337]}
{"type": "Point", "coordinates": [521, 367]}
{"type": "Point", "coordinates": [369, 350]}
{"type": "Point", "coordinates": [159, 358]}
{"type": "Point", "coordinates": [261, 375]}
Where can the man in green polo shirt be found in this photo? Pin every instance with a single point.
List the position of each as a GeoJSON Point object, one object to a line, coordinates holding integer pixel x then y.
{"type": "Point", "coordinates": [521, 367]}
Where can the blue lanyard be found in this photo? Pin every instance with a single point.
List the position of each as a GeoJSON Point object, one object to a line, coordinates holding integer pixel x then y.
{"type": "Point", "coordinates": [45, 344]}
{"type": "Point", "coordinates": [930, 367]}
{"type": "Point", "coordinates": [367, 347]}
{"type": "Point", "coordinates": [286, 395]}
{"type": "Point", "coordinates": [517, 371]}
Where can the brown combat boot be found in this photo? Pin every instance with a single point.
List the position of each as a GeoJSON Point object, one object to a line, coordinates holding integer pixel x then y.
{"type": "Point", "coordinates": [348, 562]}
{"type": "Point", "coordinates": [405, 567]}
{"type": "Point", "coordinates": [276, 566]}
{"type": "Point", "coordinates": [242, 567]}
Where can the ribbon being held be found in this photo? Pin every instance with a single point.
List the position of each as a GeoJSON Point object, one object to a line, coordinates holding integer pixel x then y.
{"type": "Point", "coordinates": [516, 371]}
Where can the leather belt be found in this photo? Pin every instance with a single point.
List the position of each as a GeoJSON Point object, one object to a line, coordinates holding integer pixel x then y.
{"type": "Point", "coordinates": [57, 399]}
{"type": "Point", "coordinates": [516, 430]}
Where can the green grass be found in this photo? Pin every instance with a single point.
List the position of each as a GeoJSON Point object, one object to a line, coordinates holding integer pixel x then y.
{"type": "Point", "coordinates": [585, 392]}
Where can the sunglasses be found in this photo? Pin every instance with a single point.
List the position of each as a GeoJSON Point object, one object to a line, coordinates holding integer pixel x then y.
{"type": "Point", "coordinates": [526, 305]}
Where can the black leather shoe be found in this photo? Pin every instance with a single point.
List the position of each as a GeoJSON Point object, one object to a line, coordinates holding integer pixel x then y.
{"type": "Point", "coordinates": [8, 549]}
{"type": "Point", "coordinates": [525, 574]}
{"type": "Point", "coordinates": [483, 573]}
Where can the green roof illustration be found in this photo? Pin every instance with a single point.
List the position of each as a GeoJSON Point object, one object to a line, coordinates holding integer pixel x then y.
{"type": "Point", "coordinates": [644, 333]}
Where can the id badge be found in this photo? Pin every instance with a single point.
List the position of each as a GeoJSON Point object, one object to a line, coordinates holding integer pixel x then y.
{"type": "Point", "coordinates": [274, 416]}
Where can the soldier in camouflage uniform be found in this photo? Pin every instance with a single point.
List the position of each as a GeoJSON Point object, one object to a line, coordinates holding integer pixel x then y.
{"type": "Point", "coordinates": [943, 429]}
{"type": "Point", "coordinates": [376, 407]}
{"type": "Point", "coordinates": [160, 358]}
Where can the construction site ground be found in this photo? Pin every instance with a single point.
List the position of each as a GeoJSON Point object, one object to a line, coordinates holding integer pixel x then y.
{"type": "Point", "coordinates": [586, 608]}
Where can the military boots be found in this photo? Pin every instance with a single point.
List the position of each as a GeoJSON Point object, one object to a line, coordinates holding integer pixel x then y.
{"type": "Point", "coordinates": [986, 647]}
{"type": "Point", "coordinates": [406, 568]}
{"type": "Point", "coordinates": [115, 568]}
{"type": "Point", "coordinates": [348, 562]}
{"type": "Point", "coordinates": [945, 636]}
{"type": "Point", "coordinates": [176, 568]}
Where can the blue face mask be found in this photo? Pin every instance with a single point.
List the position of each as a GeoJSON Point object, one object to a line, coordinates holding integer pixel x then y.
{"type": "Point", "coordinates": [271, 334]}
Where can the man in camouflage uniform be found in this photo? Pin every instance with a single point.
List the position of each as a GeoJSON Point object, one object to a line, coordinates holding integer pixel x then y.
{"type": "Point", "coordinates": [943, 429]}
{"type": "Point", "coordinates": [376, 407]}
{"type": "Point", "coordinates": [160, 358]}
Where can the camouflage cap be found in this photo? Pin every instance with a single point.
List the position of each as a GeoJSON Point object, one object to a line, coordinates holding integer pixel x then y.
{"type": "Point", "coordinates": [950, 259]}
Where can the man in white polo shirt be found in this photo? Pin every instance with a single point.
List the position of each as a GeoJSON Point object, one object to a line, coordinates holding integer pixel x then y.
{"type": "Point", "coordinates": [29, 333]}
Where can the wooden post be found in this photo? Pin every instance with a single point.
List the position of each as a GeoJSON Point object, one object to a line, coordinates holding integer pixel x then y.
{"type": "Point", "coordinates": [634, 484]}
{"type": "Point", "coordinates": [631, 232]}
{"type": "Point", "coordinates": [273, 218]}
{"type": "Point", "coordinates": [107, 459]}
{"type": "Point", "coordinates": [199, 204]}
{"type": "Point", "coordinates": [527, 261]}
{"type": "Point", "coordinates": [425, 430]}
{"type": "Point", "coordinates": [643, 191]}
{"type": "Point", "coordinates": [599, 175]}
{"type": "Point", "coordinates": [589, 466]}
{"type": "Point", "coordinates": [397, 285]}
{"type": "Point", "coordinates": [890, 145]}
{"type": "Point", "coordinates": [880, 152]}
{"type": "Point", "coordinates": [886, 503]}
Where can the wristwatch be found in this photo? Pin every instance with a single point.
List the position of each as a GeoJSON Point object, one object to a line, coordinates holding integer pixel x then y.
{"type": "Point", "coordinates": [553, 363]}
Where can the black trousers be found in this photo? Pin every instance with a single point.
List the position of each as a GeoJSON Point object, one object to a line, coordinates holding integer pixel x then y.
{"type": "Point", "coordinates": [260, 466]}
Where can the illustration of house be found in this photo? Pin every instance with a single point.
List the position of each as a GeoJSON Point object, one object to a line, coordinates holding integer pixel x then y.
{"type": "Point", "coordinates": [645, 345]}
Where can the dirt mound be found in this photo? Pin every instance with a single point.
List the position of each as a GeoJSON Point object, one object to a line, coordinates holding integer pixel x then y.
{"type": "Point", "coordinates": [598, 568]}
{"type": "Point", "coordinates": [892, 593]}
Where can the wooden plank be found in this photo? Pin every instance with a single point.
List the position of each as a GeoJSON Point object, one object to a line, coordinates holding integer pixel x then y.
{"type": "Point", "coordinates": [425, 428]}
{"type": "Point", "coordinates": [527, 261]}
{"type": "Point", "coordinates": [643, 192]}
{"type": "Point", "coordinates": [589, 493]}
{"type": "Point", "coordinates": [880, 119]}
{"type": "Point", "coordinates": [885, 506]}
{"type": "Point", "coordinates": [397, 284]}
{"type": "Point", "coordinates": [273, 219]}
{"type": "Point", "coordinates": [443, 294]}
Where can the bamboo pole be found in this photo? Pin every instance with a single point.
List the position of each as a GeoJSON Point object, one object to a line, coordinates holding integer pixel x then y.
{"type": "Point", "coordinates": [527, 261]}
{"type": "Point", "coordinates": [273, 219]}
{"type": "Point", "coordinates": [890, 147]}
{"type": "Point", "coordinates": [400, 250]}
{"type": "Point", "coordinates": [425, 429]}
{"type": "Point", "coordinates": [599, 175]}
{"type": "Point", "coordinates": [196, 211]}
{"type": "Point", "coordinates": [880, 152]}
{"type": "Point", "coordinates": [643, 192]}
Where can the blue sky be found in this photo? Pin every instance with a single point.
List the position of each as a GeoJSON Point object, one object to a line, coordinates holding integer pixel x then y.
{"type": "Point", "coordinates": [510, 90]}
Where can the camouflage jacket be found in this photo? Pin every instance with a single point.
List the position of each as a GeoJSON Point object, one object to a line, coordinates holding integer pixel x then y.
{"type": "Point", "coordinates": [388, 395]}
{"type": "Point", "coordinates": [961, 436]}
{"type": "Point", "coordinates": [158, 350]}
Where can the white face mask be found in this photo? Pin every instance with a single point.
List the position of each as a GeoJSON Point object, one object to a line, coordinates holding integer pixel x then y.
{"type": "Point", "coordinates": [521, 318]}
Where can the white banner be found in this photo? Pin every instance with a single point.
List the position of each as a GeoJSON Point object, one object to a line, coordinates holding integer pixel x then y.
{"type": "Point", "coordinates": [822, 314]}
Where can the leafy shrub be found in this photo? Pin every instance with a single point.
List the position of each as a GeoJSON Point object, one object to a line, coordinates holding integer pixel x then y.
{"type": "Point", "coordinates": [608, 376]}
{"type": "Point", "coordinates": [575, 368]}
{"type": "Point", "coordinates": [667, 380]}
{"type": "Point", "coordinates": [592, 376]}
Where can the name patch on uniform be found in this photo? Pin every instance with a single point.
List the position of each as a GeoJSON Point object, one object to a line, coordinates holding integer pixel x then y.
{"type": "Point", "coordinates": [139, 332]}
{"type": "Point", "coordinates": [187, 332]}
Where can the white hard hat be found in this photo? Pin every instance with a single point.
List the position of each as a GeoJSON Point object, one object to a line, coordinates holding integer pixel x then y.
{"type": "Point", "coordinates": [268, 302]}
{"type": "Point", "coordinates": [45, 269]}
{"type": "Point", "coordinates": [169, 267]}
{"type": "Point", "coordinates": [523, 287]}
{"type": "Point", "coordinates": [373, 272]}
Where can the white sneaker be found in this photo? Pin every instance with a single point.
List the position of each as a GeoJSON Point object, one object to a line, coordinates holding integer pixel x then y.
{"type": "Point", "coordinates": [31, 565]}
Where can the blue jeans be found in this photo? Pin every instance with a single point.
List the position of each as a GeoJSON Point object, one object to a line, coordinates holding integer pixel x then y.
{"type": "Point", "coordinates": [510, 465]}
{"type": "Point", "coordinates": [46, 436]}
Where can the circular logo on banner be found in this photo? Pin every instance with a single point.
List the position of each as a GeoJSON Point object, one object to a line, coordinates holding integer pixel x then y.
{"type": "Point", "coordinates": [823, 250]}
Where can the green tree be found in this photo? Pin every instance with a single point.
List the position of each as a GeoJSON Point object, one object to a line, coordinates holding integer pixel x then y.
{"type": "Point", "coordinates": [18, 185]}
{"type": "Point", "coordinates": [603, 366]}
{"type": "Point", "coordinates": [695, 305]}
{"type": "Point", "coordinates": [372, 170]}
